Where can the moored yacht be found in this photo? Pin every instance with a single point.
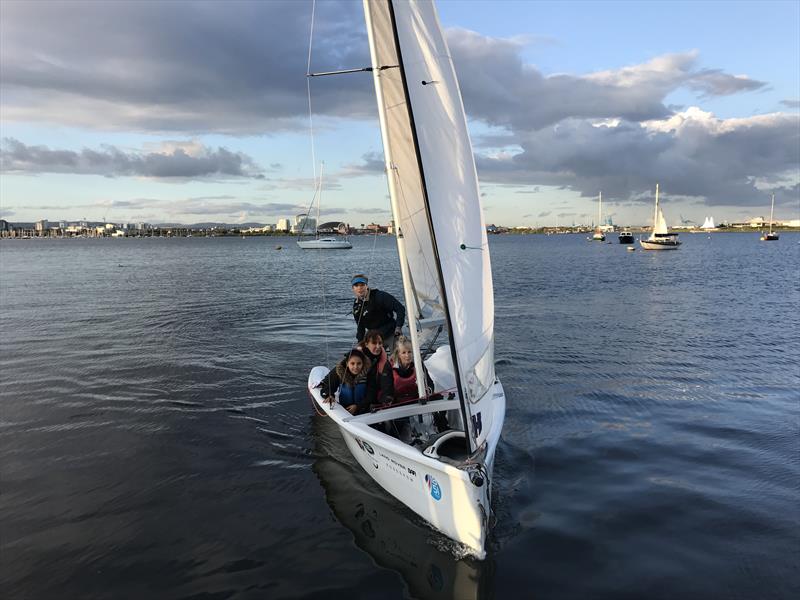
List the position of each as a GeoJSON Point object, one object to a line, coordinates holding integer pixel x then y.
{"type": "Point", "coordinates": [598, 235]}
{"type": "Point", "coordinates": [625, 236]}
{"type": "Point", "coordinates": [661, 238]}
{"type": "Point", "coordinates": [770, 236]}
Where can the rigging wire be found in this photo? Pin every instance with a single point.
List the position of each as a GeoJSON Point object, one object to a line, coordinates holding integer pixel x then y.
{"type": "Point", "coordinates": [318, 190]}
{"type": "Point", "coordinates": [317, 183]}
{"type": "Point", "coordinates": [308, 90]}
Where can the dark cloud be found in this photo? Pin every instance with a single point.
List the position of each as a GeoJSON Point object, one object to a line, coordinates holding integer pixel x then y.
{"type": "Point", "coordinates": [372, 163]}
{"type": "Point", "coordinates": [239, 68]}
{"type": "Point", "coordinates": [206, 207]}
{"type": "Point", "coordinates": [692, 155]}
{"type": "Point", "coordinates": [191, 162]}
{"type": "Point", "coordinates": [500, 89]}
{"type": "Point", "coordinates": [236, 67]}
{"type": "Point", "coordinates": [713, 82]}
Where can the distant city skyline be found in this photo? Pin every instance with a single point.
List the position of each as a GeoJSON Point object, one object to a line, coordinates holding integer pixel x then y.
{"type": "Point", "coordinates": [197, 111]}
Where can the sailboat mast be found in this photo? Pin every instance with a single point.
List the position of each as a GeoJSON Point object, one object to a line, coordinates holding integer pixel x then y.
{"type": "Point", "coordinates": [655, 214]}
{"type": "Point", "coordinates": [771, 211]}
{"type": "Point", "coordinates": [600, 211]}
{"type": "Point", "coordinates": [319, 200]}
{"type": "Point", "coordinates": [408, 292]}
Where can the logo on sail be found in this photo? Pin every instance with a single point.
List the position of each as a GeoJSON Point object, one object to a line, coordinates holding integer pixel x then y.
{"type": "Point", "coordinates": [433, 487]}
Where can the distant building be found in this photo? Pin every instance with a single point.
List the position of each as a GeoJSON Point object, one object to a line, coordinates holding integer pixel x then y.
{"type": "Point", "coordinates": [284, 225]}
{"type": "Point", "coordinates": [333, 227]}
{"type": "Point", "coordinates": [304, 225]}
{"type": "Point", "coordinates": [375, 228]}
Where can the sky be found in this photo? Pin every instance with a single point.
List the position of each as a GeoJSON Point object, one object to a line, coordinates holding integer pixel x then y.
{"type": "Point", "coordinates": [195, 112]}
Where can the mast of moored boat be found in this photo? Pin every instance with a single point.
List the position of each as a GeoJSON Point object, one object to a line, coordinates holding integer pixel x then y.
{"type": "Point", "coordinates": [600, 210]}
{"type": "Point", "coordinates": [655, 214]}
{"type": "Point", "coordinates": [319, 201]}
{"type": "Point", "coordinates": [771, 211]}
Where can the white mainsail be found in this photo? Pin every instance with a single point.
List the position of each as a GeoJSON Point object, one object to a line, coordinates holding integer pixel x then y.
{"type": "Point", "coordinates": [659, 222]}
{"type": "Point", "coordinates": [435, 198]}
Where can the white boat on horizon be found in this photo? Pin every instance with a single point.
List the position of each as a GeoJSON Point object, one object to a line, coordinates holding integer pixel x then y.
{"type": "Point", "coordinates": [325, 243]}
{"type": "Point", "coordinates": [321, 243]}
{"type": "Point", "coordinates": [661, 238]}
{"type": "Point", "coordinates": [444, 477]}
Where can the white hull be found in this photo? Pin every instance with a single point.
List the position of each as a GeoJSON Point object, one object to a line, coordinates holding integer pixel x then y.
{"type": "Point", "coordinates": [384, 529]}
{"type": "Point", "coordinates": [441, 493]}
{"type": "Point", "coordinates": [651, 245]}
{"type": "Point", "coordinates": [327, 243]}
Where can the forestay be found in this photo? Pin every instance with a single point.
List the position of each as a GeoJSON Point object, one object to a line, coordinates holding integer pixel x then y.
{"type": "Point", "coordinates": [434, 191]}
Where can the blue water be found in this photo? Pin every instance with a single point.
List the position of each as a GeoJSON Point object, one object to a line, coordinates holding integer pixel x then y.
{"type": "Point", "coordinates": [156, 439]}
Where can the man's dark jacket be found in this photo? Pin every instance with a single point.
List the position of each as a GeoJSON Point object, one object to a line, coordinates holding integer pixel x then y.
{"type": "Point", "coordinates": [378, 312]}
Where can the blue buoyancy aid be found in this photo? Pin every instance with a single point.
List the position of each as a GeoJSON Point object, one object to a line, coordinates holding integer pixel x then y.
{"type": "Point", "coordinates": [352, 394]}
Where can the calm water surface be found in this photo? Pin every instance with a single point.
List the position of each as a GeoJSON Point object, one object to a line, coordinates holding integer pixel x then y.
{"type": "Point", "coordinates": [157, 440]}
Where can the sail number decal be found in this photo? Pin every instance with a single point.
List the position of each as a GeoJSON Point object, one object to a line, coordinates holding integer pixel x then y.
{"type": "Point", "coordinates": [368, 450]}
{"type": "Point", "coordinates": [476, 424]}
{"type": "Point", "coordinates": [433, 487]}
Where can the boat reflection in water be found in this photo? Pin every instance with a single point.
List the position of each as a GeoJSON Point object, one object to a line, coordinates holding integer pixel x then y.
{"type": "Point", "coordinates": [390, 533]}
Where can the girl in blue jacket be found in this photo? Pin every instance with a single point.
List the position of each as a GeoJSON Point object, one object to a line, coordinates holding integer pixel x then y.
{"type": "Point", "coordinates": [349, 378]}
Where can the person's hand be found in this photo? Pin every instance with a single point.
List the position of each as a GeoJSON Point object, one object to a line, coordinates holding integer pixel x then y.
{"type": "Point", "coordinates": [352, 409]}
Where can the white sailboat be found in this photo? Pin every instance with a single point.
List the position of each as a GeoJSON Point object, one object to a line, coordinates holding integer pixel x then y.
{"type": "Point", "coordinates": [444, 258]}
{"type": "Point", "coordinates": [708, 225]}
{"type": "Point", "coordinates": [769, 236]}
{"type": "Point", "coordinates": [598, 235]}
{"type": "Point", "coordinates": [661, 238]}
{"type": "Point", "coordinates": [318, 242]}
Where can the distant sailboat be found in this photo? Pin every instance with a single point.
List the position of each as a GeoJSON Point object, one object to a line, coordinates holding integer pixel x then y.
{"type": "Point", "coordinates": [708, 224]}
{"type": "Point", "coordinates": [599, 236]}
{"type": "Point", "coordinates": [660, 238]}
{"type": "Point", "coordinates": [318, 243]}
{"type": "Point", "coordinates": [770, 236]}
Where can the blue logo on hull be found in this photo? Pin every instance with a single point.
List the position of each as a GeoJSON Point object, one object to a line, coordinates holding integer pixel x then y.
{"type": "Point", "coordinates": [433, 486]}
